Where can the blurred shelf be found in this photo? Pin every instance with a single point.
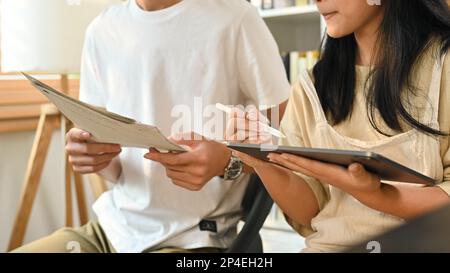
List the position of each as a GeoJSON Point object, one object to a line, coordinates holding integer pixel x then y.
{"type": "Point", "coordinates": [16, 76]}
{"type": "Point", "coordinates": [295, 28]}
{"type": "Point", "coordinates": [291, 14]}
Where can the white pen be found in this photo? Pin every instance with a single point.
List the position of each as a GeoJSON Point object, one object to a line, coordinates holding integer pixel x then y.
{"type": "Point", "coordinates": [269, 129]}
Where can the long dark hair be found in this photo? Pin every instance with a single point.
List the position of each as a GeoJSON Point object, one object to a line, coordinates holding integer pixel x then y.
{"type": "Point", "coordinates": [408, 28]}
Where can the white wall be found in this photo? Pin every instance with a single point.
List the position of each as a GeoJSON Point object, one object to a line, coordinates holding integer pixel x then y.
{"type": "Point", "coordinates": [48, 211]}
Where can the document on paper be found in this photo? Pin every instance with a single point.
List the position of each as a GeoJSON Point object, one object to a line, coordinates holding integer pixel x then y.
{"type": "Point", "coordinates": [104, 126]}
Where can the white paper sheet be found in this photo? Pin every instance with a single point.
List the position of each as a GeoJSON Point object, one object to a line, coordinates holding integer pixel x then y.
{"type": "Point", "coordinates": [106, 127]}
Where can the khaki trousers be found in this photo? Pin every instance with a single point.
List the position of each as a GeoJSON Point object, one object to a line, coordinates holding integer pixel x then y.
{"type": "Point", "coordinates": [89, 238]}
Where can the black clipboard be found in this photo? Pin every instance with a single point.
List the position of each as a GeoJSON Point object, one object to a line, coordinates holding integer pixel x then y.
{"type": "Point", "coordinates": [385, 168]}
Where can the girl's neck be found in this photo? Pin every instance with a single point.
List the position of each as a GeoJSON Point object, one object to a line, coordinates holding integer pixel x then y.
{"type": "Point", "coordinates": [367, 41]}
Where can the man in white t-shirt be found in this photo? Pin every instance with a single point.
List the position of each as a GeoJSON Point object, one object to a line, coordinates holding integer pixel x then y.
{"type": "Point", "coordinates": [143, 59]}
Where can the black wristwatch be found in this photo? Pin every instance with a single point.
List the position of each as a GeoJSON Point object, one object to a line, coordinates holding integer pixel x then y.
{"type": "Point", "coordinates": [234, 169]}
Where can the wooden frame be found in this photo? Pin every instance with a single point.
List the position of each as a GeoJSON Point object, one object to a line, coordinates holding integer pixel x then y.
{"type": "Point", "coordinates": [49, 118]}
{"type": "Point", "coordinates": [20, 103]}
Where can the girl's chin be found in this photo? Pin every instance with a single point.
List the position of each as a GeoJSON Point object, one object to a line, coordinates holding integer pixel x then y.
{"type": "Point", "coordinates": [336, 33]}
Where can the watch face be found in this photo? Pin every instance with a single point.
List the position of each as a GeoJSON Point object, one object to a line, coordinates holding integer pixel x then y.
{"type": "Point", "coordinates": [235, 169]}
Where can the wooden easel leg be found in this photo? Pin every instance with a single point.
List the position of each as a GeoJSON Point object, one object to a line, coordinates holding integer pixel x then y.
{"type": "Point", "coordinates": [79, 189]}
{"type": "Point", "coordinates": [65, 127]}
{"type": "Point", "coordinates": [47, 123]}
{"type": "Point", "coordinates": [81, 200]}
{"type": "Point", "coordinates": [80, 197]}
{"type": "Point", "coordinates": [68, 193]}
{"type": "Point", "coordinates": [98, 185]}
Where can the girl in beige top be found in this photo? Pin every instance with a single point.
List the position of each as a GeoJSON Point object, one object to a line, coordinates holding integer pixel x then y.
{"type": "Point", "coordinates": [382, 85]}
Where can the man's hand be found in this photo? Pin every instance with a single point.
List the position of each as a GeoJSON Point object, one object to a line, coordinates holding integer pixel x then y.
{"type": "Point", "coordinates": [87, 156]}
{"type": "Point", "coordinates": [196, 167]}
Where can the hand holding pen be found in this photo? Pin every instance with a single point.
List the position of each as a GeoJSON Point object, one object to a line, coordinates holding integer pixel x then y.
{"type": "Point", "coordinates": [248, 127]}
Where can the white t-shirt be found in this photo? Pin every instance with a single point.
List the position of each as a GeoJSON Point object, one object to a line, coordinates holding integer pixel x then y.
{"type": "Point", "coordinates": [143, 64]}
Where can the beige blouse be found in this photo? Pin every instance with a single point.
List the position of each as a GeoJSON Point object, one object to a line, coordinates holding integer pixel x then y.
{"type": "Point", "coordinates": [342, 220]}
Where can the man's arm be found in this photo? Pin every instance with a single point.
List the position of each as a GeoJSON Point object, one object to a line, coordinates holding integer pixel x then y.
{"type": "Point", "coordinates": [85, 155]}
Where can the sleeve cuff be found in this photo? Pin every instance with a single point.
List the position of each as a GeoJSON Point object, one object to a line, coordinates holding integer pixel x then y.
{"type": "Point", "coordinates": [322, 197]}
{"type": "Point", "coordinates": [319, 190]}
{"type": "Point", "coordinates": [445, 186]}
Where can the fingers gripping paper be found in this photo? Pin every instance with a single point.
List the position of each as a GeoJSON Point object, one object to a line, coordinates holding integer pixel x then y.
{"type": "Point", "coordinates": [104, 126]}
